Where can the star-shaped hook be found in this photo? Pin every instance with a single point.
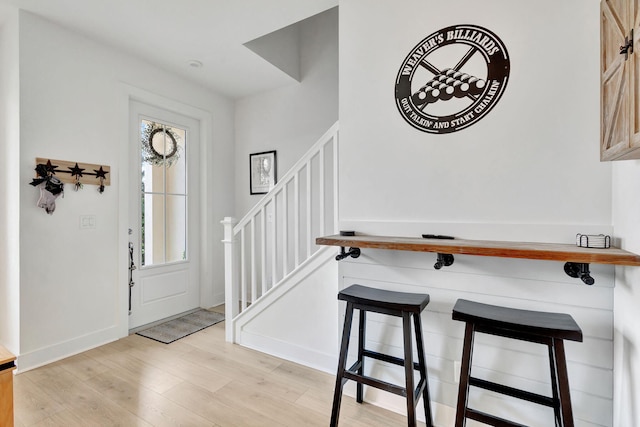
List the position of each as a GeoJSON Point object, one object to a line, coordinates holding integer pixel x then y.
{"type": "Point", "coordinates": [76, 170]}
{"type": "Point", "coordinates": [50, 168]}
{"type": "Point", "coordinates": [100, 173]}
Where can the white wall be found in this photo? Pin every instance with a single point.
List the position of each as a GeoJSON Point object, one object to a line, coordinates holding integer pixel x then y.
{"type": "Point", "coordinates": [528, 171]}
{"type": "Point", "coordinates": [626, 210]}
{"type": "Point", "coordinates": [74, 106]}
{"type": "Point", "coordinates": [532, 159]}
{"type": "Point", "coordinates": [9, 176]}
{"type": "Point", "coordinates": [290, 119]}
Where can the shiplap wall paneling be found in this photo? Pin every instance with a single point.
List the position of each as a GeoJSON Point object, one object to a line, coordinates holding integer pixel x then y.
{"type": "Point", "coordinates": [526, 284]}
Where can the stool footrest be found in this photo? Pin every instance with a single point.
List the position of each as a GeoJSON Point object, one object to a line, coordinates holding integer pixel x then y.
{"type": "Point", "coordinates": [485, 418]}
{"type": "Point", "coordinates": [419, 389]}
{"type": "Point", "coordinates": [513, 392]}
{"type": "Point", "coordinates": [386, 358]}
{"type": "Point", "coordinates": [373, 382]}
{"type": "Point", "coordinates": [383, 385]}
{"type": "Point", "coordinates": [353, 368]}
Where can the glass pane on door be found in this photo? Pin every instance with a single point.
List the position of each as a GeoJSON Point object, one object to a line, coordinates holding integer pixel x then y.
{"type": "Point", "coordinates": [163, 193]}
{"type": "Point", "coordinates": [177, 173]}
{"type": "Point", "coordinates": [176, 236]}
{"type": "Point", "coordinates": [152, 243]}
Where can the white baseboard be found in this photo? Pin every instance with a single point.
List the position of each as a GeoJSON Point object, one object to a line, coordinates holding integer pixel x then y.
{"type": "Point", "coordinates": [289, 351]}
{"type": "Point", "coordinates": [218, 299]}
{"type": "Point", "coordinates": [45, 355]}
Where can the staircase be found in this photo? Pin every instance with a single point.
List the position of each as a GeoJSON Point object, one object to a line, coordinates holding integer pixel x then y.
{"type": "Point", "coordinates": [273, 246]}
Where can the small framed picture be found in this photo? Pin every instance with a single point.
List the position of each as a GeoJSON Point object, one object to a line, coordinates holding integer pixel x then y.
{"type": "Point", "coordinates": [262, 172]}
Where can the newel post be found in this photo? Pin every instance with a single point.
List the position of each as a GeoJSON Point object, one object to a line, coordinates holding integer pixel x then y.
{"type": "Point", "coordinates": [231, 293]}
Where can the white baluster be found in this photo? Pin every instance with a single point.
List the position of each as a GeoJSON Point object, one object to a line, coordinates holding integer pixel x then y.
{"type": "Point", "coordinates": [274, 239]}
{"type": "Point", "coordinates": [230, 289]}
{"type": "Point", "coordinates": [321, 190]}
{"type": "Point", "coordinates": [296, 220]}
{"type": "Point", "coordinates": [243, 272]}
{"type": "Point", "coordinates": [263, 249]}
{"type": "Point", "coordinates": [335, 182]}
{"type": "Point", "coordinates": [309, 237]}
{"type": "Point", "coordinates": [285, 230]}
{"type": "Point", "coordinates": [254, 288]}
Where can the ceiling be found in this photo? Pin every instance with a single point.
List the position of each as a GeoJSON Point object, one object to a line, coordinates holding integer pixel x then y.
{"type": "Point", "coordinates": [171, 33]}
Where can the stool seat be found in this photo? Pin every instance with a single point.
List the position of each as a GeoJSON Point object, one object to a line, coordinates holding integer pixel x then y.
{"type": "Point", "coordinates": [400, 304]}
{"type": "Point", "coordinates": [384, 300]}
{"type": "Point", "coordinates": [556, 325]}
{"type": "Point", "coordinates": [550, 329]}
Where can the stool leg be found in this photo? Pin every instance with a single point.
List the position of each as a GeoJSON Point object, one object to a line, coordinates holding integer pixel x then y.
{"type": "Point", "coordinates": [563, 383]}
{"type": "Point", "coordinates": [554, 385]}
{"type": "Point", "coordinates": [342, 361]}
{"type": "Point", "coordinates": [426, 399]}
{"type": "Point", "coordinates": [465, 374]}
{"type": "Point", "coordinates": [361, 338]}
{"type": "Point", "coordinates": [408, 369]}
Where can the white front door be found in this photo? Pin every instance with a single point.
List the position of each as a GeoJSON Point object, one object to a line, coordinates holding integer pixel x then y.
{"type": "Point", "coordinates": [164, 214]}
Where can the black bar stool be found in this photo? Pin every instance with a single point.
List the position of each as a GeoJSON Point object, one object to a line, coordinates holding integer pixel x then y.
{"type": "Point", "coordinates": [550, 329]}
{"type": "Point", "coordinates": [397, 304]}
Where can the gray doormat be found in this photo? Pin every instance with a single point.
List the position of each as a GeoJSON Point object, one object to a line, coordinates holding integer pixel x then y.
{"type": "Point", "coordinates": [181, 327]}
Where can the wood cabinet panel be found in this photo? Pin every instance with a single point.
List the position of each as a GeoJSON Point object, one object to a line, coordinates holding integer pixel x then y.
{"type": "Point", "coordinates": [619, 72]}
{"type": "Point", "coordinates": [635, 75]}
{"type": "Point", "coordinates": [7, 366]}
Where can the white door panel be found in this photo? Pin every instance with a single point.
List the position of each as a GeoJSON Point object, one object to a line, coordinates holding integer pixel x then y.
{"type": "Point", "coordinates": [156, 287]}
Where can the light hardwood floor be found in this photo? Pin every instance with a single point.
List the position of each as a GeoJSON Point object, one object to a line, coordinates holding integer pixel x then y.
{"type": "Point", "coordinates": [199, 380]}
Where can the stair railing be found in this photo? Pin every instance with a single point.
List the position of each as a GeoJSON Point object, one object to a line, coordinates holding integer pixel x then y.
{"type": "Point", "coordinates": [277, 236]}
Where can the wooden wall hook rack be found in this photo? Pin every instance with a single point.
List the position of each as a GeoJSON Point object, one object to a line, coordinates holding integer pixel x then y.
{"type": "Point", "coordinates": [72, 172]}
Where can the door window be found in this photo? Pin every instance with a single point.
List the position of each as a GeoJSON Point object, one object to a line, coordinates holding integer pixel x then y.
{"type": "Point", "coordinates": [163, 196]}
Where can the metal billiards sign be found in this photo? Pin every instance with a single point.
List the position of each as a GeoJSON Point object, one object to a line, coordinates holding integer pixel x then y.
{"type": "Point", "coordinates": [452, 79]}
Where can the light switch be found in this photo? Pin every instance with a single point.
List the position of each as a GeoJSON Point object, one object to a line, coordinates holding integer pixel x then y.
{"type": "Point", "coordinates": [87, 222]}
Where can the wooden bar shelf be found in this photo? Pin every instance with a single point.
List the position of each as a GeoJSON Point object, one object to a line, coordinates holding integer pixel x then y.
{"type": "Point", "coordinates": [576, 258]}
{"type": "Point", "coordinates": [544, 251]}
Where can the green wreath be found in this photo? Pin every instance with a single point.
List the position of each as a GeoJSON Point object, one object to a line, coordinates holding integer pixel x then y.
{"type": "Point", "coordinates": [150, 154]}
